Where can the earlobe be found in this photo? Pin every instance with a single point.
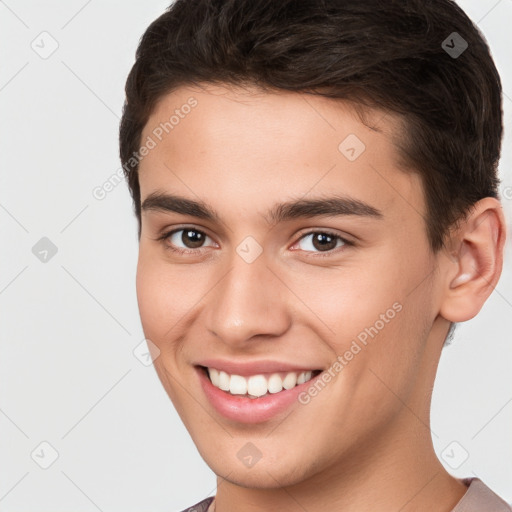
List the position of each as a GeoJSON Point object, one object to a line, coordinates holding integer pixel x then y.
{"type": "Point", "coordinates": [475, 266]}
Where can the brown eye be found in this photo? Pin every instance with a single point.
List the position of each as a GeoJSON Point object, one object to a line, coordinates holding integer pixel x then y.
{"type": "Point", "coordinates": [321, 241]}
{"type": "Point", "coordinates": [185, 239]}
{"type": "Point", "coordinates": [191, 238]}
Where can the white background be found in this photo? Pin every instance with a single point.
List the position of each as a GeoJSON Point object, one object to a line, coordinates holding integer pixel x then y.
{"type": "Point", "coordinates": [69, 326]}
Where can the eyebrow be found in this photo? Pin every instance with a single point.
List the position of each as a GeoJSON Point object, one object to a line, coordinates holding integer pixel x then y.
{"type": "Point", "coordinates": [295, 209]}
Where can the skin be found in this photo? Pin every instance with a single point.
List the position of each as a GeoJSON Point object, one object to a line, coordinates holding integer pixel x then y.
{"type": "Point", "coordinates": [363, 443]}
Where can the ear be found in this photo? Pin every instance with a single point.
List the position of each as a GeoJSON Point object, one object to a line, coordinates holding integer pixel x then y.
{"type": "Point", "coordinates": [476, 261]}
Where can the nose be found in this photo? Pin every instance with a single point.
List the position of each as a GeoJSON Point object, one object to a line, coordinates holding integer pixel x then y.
{"type": "Point", "coordinates": [250, 300]}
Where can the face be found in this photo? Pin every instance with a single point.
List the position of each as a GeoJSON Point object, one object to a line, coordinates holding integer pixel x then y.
{"type": "Point", "coordinates": [336, 286]}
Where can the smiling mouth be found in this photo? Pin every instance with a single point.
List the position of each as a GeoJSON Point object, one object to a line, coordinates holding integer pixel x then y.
{"type": "Point", "coordinates": [258, 385]}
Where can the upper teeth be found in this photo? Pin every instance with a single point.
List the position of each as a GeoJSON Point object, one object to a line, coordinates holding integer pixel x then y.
{"type": "Point", "coordinates": [257, 385]}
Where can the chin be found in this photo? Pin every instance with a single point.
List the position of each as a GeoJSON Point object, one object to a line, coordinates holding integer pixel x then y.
{"type": "Point", "coordinates": [263, 475]}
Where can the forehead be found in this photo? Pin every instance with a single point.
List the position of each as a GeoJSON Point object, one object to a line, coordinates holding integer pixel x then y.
{"type": "Point", "coordinates": [245, 147]}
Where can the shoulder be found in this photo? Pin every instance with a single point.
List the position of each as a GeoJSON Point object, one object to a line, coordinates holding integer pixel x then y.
{"type": "Point", "coordinates": [479, 498]}
{"type": "Point", "coordinates": [202, 506]}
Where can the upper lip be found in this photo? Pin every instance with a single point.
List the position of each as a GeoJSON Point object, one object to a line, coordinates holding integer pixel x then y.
{"type": "Point", "coordinates": [245, 368]}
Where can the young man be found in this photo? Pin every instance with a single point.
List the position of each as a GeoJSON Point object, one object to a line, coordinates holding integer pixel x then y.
{"type": "Point", "coordinates": [316, 189]}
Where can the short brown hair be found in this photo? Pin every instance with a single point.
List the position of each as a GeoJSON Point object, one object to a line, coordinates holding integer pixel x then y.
{"type": "Point", "coordinates": [394, 55]}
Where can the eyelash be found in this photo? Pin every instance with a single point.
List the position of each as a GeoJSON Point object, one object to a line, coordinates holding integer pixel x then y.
{"type": "Point", "coordinates": [325, 254]}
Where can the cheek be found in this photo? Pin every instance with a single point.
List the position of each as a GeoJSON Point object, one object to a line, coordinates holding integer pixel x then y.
{"type": "Point", "coordinates": [390, 324]}
{"type": "Point", "coordinates": [353, 297]}
{"type": "Point", "coordinates": [375, 310]}
{"type": "Point", "coordinates": [158, 296]}
{"type": "Point", "coordinates": [168, 296]}
{"type": "Point", "coordinates": [149, 293]}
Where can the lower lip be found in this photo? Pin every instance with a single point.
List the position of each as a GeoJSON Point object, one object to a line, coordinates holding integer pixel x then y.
{"type": "Point", "coordinates": [250, 410]}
